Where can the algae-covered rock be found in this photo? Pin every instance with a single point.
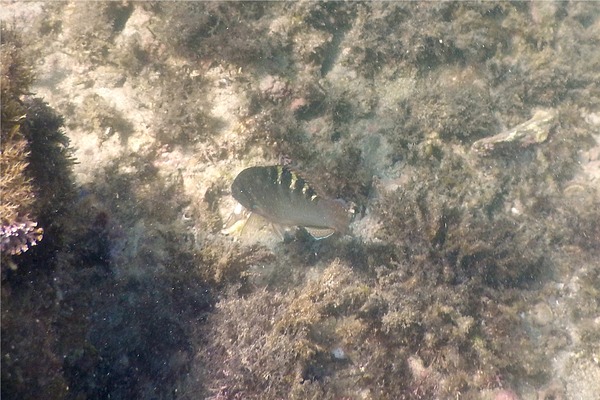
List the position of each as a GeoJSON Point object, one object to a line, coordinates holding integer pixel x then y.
{"type": "Point", "coordinates": [16, 187]}
{"type": "Point", "coordinates": [36, 185]}
{"type": "Point", "coordinates": [464, 134]}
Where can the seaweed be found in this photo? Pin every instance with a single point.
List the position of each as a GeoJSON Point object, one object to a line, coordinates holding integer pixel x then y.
{"type": "Point", "coordinates": [445, 290]}
{"type": "Point", "coordinates": [17, 190]}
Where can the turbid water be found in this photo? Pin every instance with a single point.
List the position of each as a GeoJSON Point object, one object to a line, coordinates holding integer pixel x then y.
{"type": "Point", "coordinates": [464, 135]}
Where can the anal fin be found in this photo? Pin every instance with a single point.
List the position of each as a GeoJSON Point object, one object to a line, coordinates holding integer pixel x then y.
{"type": "Point", "coordinates": [320, 233]}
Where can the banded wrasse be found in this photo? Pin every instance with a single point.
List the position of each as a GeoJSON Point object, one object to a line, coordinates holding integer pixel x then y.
{"type": "Point", "coordinates": [284, 198]}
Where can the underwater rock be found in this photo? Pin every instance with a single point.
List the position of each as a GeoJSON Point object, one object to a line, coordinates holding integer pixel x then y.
{"type": "Point", "coordinates": [533, 131]}
{"type": "Point", "coordinates": [432, 300]}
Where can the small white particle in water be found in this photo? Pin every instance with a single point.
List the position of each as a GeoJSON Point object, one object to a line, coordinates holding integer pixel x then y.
{"type": "Point", "coordinates": [338, 353]}
{"type": "Point", "coordinates": [238, 209]}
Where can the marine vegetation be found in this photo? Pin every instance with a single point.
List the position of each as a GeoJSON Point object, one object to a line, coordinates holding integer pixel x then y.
{"type": "Point", "coordinates": [36, 159]}
{"type": "Point", "coordinates": [466, 134]}
{"type": "Point", "coordinates": [18, 230]}
{"type": "Point", "coordinates": [36, 185]}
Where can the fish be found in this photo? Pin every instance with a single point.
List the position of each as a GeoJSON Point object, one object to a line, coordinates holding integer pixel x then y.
{"type": "Point", "coordinates": [284, 198]}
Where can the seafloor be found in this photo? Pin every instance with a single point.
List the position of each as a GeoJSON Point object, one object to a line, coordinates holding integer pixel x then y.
{"type": "Point", "coordinates": [465, 134]}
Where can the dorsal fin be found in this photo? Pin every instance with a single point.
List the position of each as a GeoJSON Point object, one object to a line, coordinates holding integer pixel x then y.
{"type": "Point", "coordinates": [315, 186]}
